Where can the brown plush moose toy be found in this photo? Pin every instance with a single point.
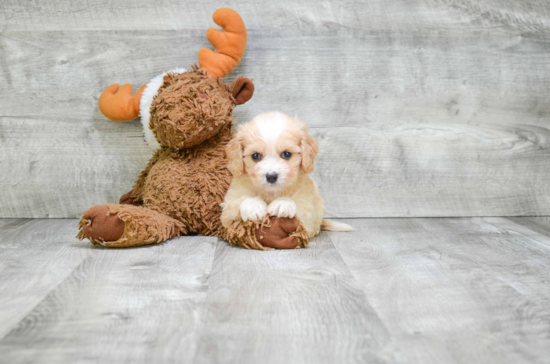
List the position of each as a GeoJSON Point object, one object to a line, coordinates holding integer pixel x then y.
{"type": "Point", "coordinates": [187, 119]}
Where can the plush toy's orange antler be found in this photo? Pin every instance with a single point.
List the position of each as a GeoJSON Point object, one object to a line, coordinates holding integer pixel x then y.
{"type": "Point", "coordinates": [229, 44]}
{"type": "Point", "coordinates": [118, 103]}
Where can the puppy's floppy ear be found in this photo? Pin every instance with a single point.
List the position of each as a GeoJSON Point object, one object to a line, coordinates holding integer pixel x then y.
{"type": "Point", "coordinates": [310, 148]}
{"type": "Point", "coordinates": [234, 151]}
{"type": "Point", "coordinates": [242, 89]}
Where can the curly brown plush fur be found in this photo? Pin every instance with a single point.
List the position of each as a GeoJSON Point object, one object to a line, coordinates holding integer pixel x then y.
{"type": "Point", "coordinates": [190, 108]}
{"type": "Point", "coordinates": [188, 184]}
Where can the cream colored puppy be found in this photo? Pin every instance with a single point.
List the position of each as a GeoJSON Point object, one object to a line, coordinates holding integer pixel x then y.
{"type": "Point", "coordinates": [270, 159]}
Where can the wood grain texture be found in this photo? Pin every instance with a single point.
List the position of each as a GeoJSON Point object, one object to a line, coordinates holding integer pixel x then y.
{"type": "Point", "coordinates": [294, 306]}
{"type": "Point", "coordinates": [540, 224]}
{"type": "Point", "coordinates": [36, 256]}
{"type": "Point", "coordinates": [455, 290]}
{"type": "Point", "coordinates": [438, 290]}
{"type": "Point", "coordinates": [423, 108]}
{"type": "Point", "coordinates": [118, 305]}
{"type": "Point", "coordinates": [527, 15]}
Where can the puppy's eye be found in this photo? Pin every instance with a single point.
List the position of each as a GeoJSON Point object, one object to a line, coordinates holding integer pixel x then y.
{"type": "Point", "coordinates": [256, 156]}
{"type": "Point", "coordinates": [286, 155]}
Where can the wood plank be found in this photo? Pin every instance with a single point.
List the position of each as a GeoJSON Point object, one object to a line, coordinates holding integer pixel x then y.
{"type": "Point", "coordinates": [120, 305]}
{"type": "Point", "coordinates": [524, 266]}
{"type": "Point", "coordinates": [539, 224]}
{"type": "Point", "coordinates": [398, 140]}
{"type": "Point", "coordinates": [347, 78]}
{"type": "Point", "coordinates": [362, 171]}
{"type": "Point", "coordinates": [35, 257]}
{"type": "Point", "coordinates": [451, 170]}
{"type": "Point", "coordinates": [526, 15]}
{"type": "Point", "coordinates": [516, 255]}
{"type": "Point", "coordinates": [298, 306]}
{"type": "Point", "coordinates": [87, 163]}
{"type": "Point", "coordinates": [448, 289]}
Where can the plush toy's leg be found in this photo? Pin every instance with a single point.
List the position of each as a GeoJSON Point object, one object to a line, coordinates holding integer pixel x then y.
{"type": "Point", "coordinates": [268, 234]}
{"type": "Point", "coordinates": [119, 226]}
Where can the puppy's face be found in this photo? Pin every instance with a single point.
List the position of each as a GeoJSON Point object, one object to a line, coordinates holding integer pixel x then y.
{"type": "Point", "coordinates": [272, 149]}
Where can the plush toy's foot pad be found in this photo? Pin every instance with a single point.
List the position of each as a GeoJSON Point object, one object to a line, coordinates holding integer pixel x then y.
{"type": "Point", "coordinates": [98, 224]}
{"type": "Point", "coordinates": [122, 226]}
{"type": "Point", "coordinates": [268, 234]}
{"type": "Point", "coordinates": [278, 233]}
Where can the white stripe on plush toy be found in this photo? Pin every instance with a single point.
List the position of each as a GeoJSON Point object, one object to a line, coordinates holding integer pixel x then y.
{"type": "Point", "coordinates": [149, 93]}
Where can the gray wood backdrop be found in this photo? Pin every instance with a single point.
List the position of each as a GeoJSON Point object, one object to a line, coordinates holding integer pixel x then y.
{"type": "Point", "coordinates": [421, 107]}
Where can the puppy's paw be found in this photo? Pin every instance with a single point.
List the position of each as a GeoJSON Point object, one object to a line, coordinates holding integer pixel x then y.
{"type": "Point", "coordinates": [282, 207]}
{"type": "Point", "coordinates": [253, 209]}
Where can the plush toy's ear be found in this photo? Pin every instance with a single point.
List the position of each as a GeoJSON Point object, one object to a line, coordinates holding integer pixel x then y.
{"type": "Point", "coordinates": [234, 151]}
{"type": "Point", "coordinates": [242, 89]}
{"type": "Point", "coordinates": [310, 148]}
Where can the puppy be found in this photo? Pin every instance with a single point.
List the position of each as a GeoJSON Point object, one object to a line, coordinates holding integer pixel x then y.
{"type": "Point", "coordinates": [270, 159]}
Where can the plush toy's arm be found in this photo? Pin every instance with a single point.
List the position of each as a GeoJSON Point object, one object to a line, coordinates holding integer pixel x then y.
{"type": "Point", "coordinates": [267, 234]}
{"type": "Point", "coordinates": [137, 192]}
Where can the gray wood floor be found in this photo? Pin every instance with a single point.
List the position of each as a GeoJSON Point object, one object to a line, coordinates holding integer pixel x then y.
{"type": "Point", "coordinates": [422, 290]}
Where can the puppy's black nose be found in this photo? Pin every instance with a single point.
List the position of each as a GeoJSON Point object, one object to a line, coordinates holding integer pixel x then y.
{"type": "Point", "coordinates": [271, 177]}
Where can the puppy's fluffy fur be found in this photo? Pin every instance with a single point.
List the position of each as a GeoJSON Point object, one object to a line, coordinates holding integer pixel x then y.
{"type": "Point", "coordinates": [275, 144]}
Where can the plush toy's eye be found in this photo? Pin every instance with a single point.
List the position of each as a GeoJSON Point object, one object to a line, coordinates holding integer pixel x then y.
{"type": "Point", "coordinates": [256, 156]}
{"type": "Point", "coordinates": [286, 155]}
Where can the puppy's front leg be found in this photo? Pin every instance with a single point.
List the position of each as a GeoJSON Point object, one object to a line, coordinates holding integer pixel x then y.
{"type": "Point", "coordinates": [282, 207]}
{"type": "Point", "coordinates": [253, 208]}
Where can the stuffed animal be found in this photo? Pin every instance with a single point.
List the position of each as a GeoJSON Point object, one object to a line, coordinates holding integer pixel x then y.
{"type": "Point", "coordinates": [187, 119]}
